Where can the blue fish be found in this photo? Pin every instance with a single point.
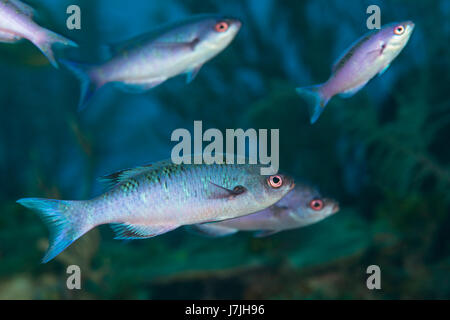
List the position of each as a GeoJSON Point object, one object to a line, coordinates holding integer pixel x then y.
{"type": "Point", "coordinates": [150, 59]}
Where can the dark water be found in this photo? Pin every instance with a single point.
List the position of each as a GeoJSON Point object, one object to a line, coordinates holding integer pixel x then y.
{"type": "Point", "coordinates": [384, 154]}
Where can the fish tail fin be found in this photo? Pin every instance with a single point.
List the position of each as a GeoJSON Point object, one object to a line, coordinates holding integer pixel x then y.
{"type": "Point", "coordinates": [89, 85]}
{"type": "Point", "coordinates": [45, 42]}
{"type": "Point", "coordinates": [315, 99]}
{"type": "Point", "coordinates": [64, 220]}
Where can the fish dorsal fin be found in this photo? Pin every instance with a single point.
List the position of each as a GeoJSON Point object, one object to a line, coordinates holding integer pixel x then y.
{"type": "Point", "coordinates": [264, 233]}
{"type": "Point", "coordinates": [113, 179]}
{"type": "Point", "coordinates": [23, 7]}
{"type": "Point", "coordinates": [341, 61]}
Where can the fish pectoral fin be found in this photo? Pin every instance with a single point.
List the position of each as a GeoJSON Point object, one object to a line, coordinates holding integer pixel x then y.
{"type": "Point", "coordinates": [23, 7]}
{"type": "Point", "coordinates": [222, 192]}
{"type": "Point", "coordinates": [264, 233]}
{"type": "Point", "coordinates": [127, 231]}
{"type": "Point", "coordinates": [211, 230]}
{"type": "Point", "coordinates": [175, 45]}
{"type": "Point", "coordinates": [191, 74]}
{"type": "Point", "coordinates": [279, 209]}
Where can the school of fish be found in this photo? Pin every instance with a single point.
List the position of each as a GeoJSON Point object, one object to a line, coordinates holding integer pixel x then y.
{"type": "Point", "coordinates": [213, 200]}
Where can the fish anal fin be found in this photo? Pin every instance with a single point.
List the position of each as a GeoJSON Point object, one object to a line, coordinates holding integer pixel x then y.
{"type": "Point", "coordinates": [384, 70]}
{"type": "Point", "coordinates": [127, 231]}
{"type": "Point", "coordinates": [351, 92]}
{"type": "Point", "coordinates": [264, 233]}
{"type": "Point", "coordinates": [7, 37]}
{"type": "Point", "coordinates": [211, 230]}
{"type": "Point", "coordinates": [140, 86]}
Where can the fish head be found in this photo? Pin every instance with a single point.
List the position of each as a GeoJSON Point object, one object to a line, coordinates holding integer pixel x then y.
{"type": "Point", "coordinates": [305, 205]}
{"type": "Point", "coordinates": [395, 36]}
{"type": "Point", "coordinates": [265, 190]}
{"type": "Point", "coordinates": [216, 33]}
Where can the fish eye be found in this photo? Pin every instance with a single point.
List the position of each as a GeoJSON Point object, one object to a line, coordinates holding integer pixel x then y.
{"type": "Point", "coordinates": [275, 181]}
{"type": "Point", "coordinates": [399, 30]}
{"type": "Point", "coordinates": [316, 204]}
{"type": "Point", "coordinates": [221, 26]}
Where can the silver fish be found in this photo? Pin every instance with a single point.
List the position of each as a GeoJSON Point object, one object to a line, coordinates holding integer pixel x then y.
{"type": "Point", "coordinates": [147, 201]}
{"type": "Point", "coordinates": [299, 208]}
{"type": "Point", "coordinates": [16, 23]}
{"type": "Point", "coordinates": [368, 56]}
{"type": "Point", "coordinates": [150, 59]}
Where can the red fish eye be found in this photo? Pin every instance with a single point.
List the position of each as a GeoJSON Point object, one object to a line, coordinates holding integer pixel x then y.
{"type": "Point", "coordinates": [399, 30]}
{"type": "Point", "coordinates": [275, 181]}
{"type": "Point", "coordinates": [316, 204]}
{"type": "Point", "coordinates": [221, 26]}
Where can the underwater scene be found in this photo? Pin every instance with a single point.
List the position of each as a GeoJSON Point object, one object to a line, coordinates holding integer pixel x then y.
{"type": "Point", "coordinates": [124, 122]}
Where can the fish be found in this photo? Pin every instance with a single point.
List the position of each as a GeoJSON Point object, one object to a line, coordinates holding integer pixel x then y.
{"type": "Point", "coordinates": [301, 207]}
{"type": "Point", "coordinates": [369, 56]}
{"type": "Point", "coordinates": [150, 200]}
{"type": "Point", "coordinates": [16, 23]}
{"type": "Point", "coordinates": [146, 61]}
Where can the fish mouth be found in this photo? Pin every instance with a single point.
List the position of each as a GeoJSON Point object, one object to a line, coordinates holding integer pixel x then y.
{"type": "Point", "coordinates": [237, 23]}
{"type": "Point", "coordinates": [410, 25]}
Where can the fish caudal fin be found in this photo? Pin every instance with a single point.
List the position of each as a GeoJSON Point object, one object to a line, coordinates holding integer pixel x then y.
{"type": "Point", "coordinates": [315, 99]}
{"type": "Point", "coordinates": [63, 220]}
{"type": "Point", "coordinates": [45, 42]}
{"type": "Point", "coordinates": [88, 85]}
